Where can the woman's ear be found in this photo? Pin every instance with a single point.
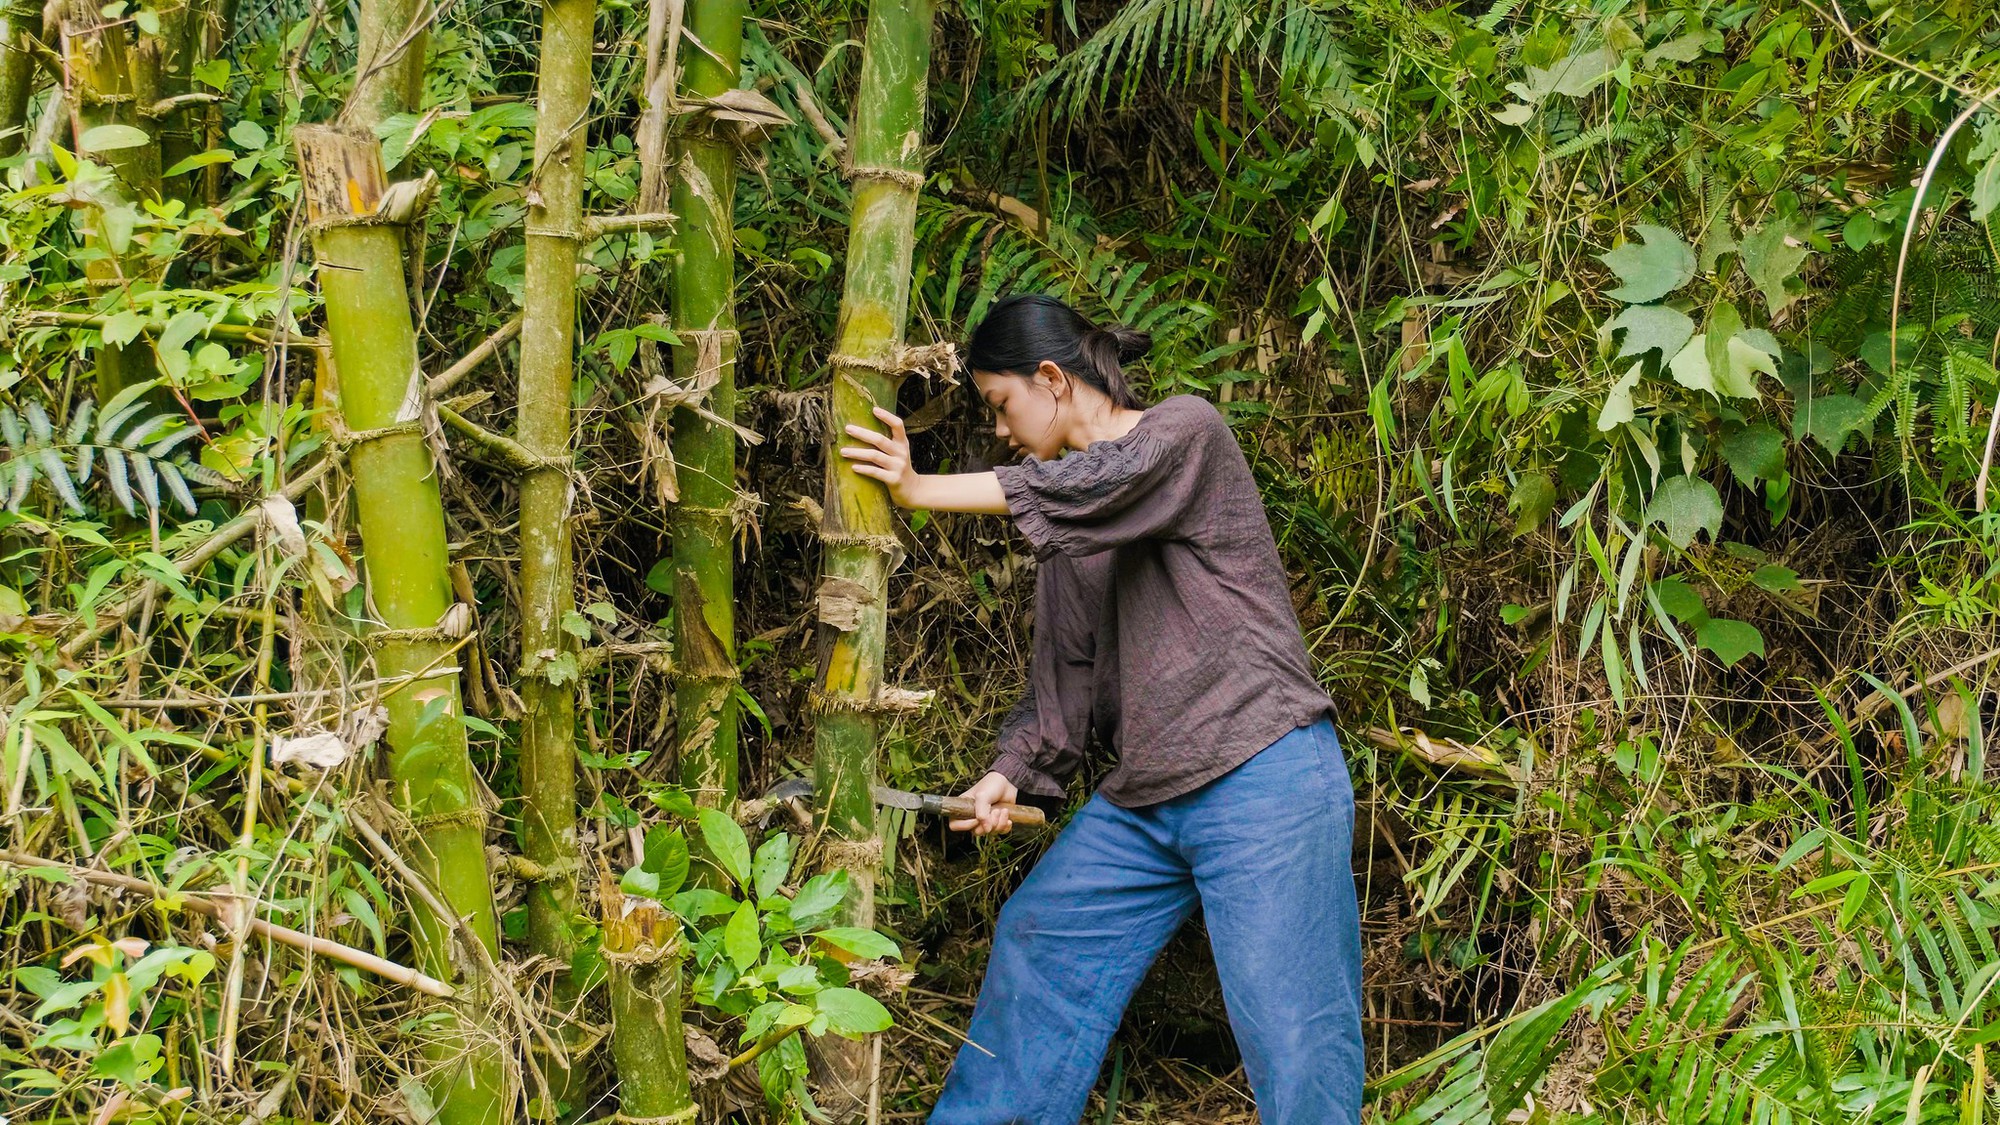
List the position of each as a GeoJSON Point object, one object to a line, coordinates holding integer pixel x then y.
{"type": "Point", "coordinates": [1053, 377]}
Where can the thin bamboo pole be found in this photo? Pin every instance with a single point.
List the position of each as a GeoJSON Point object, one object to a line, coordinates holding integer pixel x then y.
{"type": "Point", "coordinates": [359, 247]}
{"type": "Point", "coordinates": [704, 198]}
{"type": "Point", "coordinates": [858, 525]}
{"type": "Point", "coordinates": [548, 673]}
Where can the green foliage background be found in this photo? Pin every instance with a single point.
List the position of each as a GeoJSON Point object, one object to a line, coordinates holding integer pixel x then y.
{"type": "Point", "coordinates": [1620, 377]}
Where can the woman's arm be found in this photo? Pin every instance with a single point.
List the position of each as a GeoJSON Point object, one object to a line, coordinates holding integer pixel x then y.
{"type": "Point", "coordinates": [886, 457]}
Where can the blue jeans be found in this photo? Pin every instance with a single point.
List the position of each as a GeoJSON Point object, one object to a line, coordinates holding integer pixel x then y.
{"type": "Point", "coordinates": [1265, 850]}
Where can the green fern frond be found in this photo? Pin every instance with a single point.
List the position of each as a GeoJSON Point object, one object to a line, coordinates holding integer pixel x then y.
{"type": "Point", "coordinates": [133, 444]}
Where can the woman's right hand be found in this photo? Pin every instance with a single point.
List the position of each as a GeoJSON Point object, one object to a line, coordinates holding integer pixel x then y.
{"type": "Point", "coordinates": [993, 789]}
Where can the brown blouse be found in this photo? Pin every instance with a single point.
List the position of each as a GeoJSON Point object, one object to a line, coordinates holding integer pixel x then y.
{"type": "Point", "coordinates": [1162, 621]}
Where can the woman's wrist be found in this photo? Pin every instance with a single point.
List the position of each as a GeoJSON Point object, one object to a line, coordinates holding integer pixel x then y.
{"type": "Point", "coordinates": [976, 493]}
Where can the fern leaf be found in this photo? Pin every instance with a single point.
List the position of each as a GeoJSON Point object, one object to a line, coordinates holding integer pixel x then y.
{"type": "Point", "coordinates": [121, 486]}
{"type": "Point", "coordinates": [159, 449]}
{"type": "Point", "coordinates": [57, 474]}
{"type": "Point", "coordinates": [149, 481]}
{"type": "Point", "coordinates": [86, 455]}
{"type": "Point", "coordinates": [142, 433]}
{"type": "Point", "coordinates": [10, 429]}
{"type": "Point", "coordinates": [114, 416]}
{"type": "Point", "coordinates": [79, 422]}
{"type": "Point", "coordinates": [38, 423]}
{"type": "Point", "coordinates": [23, 474]}
{"type": "Point", "coordinates": [177, 486]}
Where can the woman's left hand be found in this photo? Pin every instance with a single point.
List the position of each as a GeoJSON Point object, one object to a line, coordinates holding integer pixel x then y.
{"type": "Point", "coordinates": [886, 457]}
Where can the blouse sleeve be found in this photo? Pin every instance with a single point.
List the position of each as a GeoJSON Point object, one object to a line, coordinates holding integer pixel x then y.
{"type": "Point", "coordinates": [1140, 486]}
{"type": "Point", "coordinates": [1044, 738]}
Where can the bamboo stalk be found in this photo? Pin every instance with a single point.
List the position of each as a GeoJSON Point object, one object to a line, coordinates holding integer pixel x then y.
{"type": "Point", "coordinates": [201, 903]}
{"type": "Point", "coordinates": [362, 282]}
{"type": "Point", "coordinates": [858, 524]}
{"type": "Point", "coordinates": [110, 74]}
{"type": "Point", "coordinates": [17, 68]}
{"type": "Point", "coordinates": [548, 358]}
{"type": "Point", "coordinates": [642, 958]}
{"type": "Point", "coordinates": [704, 449]}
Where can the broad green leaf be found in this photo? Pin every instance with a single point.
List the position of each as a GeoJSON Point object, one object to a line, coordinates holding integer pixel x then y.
{"type": "Point", "coordinates": [249, 134]}
{"type": "Point", "coordinates": [1730, 641]}
{"type": "Point", "coordinates": [701, 902]}
{"type": "Point", "coordinates": [726, 843]}
{"type": "Point", "coordinates": [820, 895]}
{"type": "Point", "coordinates": [110, 138]}
{"type": "Point", "coordinates": [122, 327]}
{"type": "Point", "coordinates": [1755, 452]}
{"type": "Point", "coordinates": [1771, 255]}
{"type": "Point", "coordinates": [1650, 327]}
{"type": "Point", "coordinates": [1775, 578]}
{"type": "Point", "coordinates": [773, 862]}
{"type": "Point", "coordinates": [131, 1060]}
{"type": "Point", "coordinates": [117, 222]}
{"type": "Point", "coordinates": [1617, 409]}
{"type": "Point", "coordinates": [1829, 420]}
{"type": "Point", "coordinates": [667, 859]}
{"type": "Point", "coordinates": [851, 1012]}
{"type": "Point", "coordinates": [740, 938]}
{"type": "Point", "coordinates": [1652, 267]}
{"type": "Point", "coordinates": [1683, 506]}
{"type": "Point", "coordinates": [1690, 366]}
{"type": "Point", "coordinates": [1681, 600]}
{"type": "Point", "coordinates": [1534, 498]}
{"type": "Point", "coordinates": [860, 942]}
{"type": "Point", "coordinates": [1514, 614]}
{"type": "Point", "coordinates": [200, 160]}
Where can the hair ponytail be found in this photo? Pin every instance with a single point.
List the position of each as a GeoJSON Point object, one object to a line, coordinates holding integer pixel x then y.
{"type": "Point", "coordinates": [1023, 331]}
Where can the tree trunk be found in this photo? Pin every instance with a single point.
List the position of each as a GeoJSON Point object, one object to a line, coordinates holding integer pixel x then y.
{"type": "Point", "coordinates": [360, 256]}
{"type": "Point", "coordinates": [389, 67]}
{"type": "Point", "coordinates": [548, 359]}
{"type": "Point", "coordinates": [18, 20]}
{"type": "Point", "coordinates": [858, 526]}
{"type": "Point", "coordinates": [642, 960]}
{"type": "Point", "coordinates": [704, 196]}
{"type": "Point", "coordinates": [112, 74]}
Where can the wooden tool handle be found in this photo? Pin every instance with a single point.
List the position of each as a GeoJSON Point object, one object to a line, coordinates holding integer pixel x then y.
{"type": "Point", "coordinates": [961, 808]}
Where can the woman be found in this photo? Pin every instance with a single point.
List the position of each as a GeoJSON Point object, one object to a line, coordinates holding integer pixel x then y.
{"type": "Point", "coordinates": [1163, 625]}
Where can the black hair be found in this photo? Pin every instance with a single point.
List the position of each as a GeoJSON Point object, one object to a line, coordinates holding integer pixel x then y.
{"type": "Point", "coordinates": [1023, 330]}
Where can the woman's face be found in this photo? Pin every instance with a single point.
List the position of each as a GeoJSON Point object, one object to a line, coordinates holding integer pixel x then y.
{"type": "Point", "coordinates": [1026, 410]}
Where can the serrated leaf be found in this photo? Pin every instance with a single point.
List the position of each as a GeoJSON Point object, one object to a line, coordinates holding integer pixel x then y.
{"type": "Point", "coordinates": [86, 457]}
{"type": "Point", "coordinates": [1729, 640]}
{"type": "Point", "coordinates": [10, 428]}
{"type": "Point", "coordinates": [111, 138]}
{"type": "Point", "coordinates": [148, 480]}
{"type": "Point", "coordinates": [1755, 452]}
{"type": "Point", "coordinates": [1771, 256]}
{"type": "Point", "coordinates": [57, 474]}
{"type": "Point", "coordinates": [1683, 506]}
{"type": "Point", "coordinates": [1689, 366]}
{"type": "Point", "coordinates": [726, 843]}
{"type": "Point", "coordinates": [121, 487]}
{"type": "Point", "coordinates": [1829, 420]}
{"type": "Point", "coordinates": [124, 405]}
{"type": "Point", "coordinates": [79, 422]}
{"type": "Point", "coordinates": [161, 448]}
{"type": "Point", "coordinates": [1533, 499]}
{"type": "Point", "coordinates": [851, 1012]}
{"type": "Point", "coordinates": [1656, 265]}
{"type": "Point", "coordinates": [171, 476]}
{"type": "Point", "coordinates": [23, 475]}
{"type": "Point", "coordinates": [1651, 327]}
{"type": "Point", "coordinates": [38, 423]}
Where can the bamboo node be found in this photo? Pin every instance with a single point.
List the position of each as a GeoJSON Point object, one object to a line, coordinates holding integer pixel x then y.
{"type": "Point", "coordinates": [886, 701]}
{"type": "Point", "coordinates": [678, 1117]}
{"type": "Point", "coordinates": [346, 437]}
{"type": "Point", "coordinates": [471, 817]}
{"type": "Point", "coordinates": [887, 545]}
{"type": "Point", "coordinates": [852, 855]}
{"type": "Point", "coordinates": [901, 177]}
{"type": "Point", "coordinates": [652, 953]}
{"type": "Point", "coordinates": [939, 360]}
